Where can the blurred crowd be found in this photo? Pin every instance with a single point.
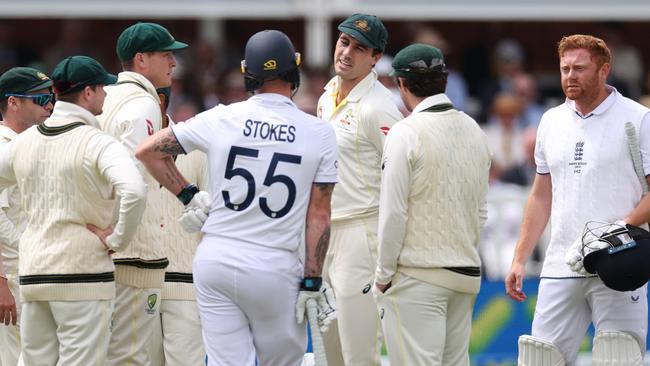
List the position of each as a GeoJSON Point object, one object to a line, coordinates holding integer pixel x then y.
{"type": "Point", "coordinates": [508, 104]}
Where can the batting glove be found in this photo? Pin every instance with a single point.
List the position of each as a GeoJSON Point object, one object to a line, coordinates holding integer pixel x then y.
{"type": "Point", "coordinates": [196, 212]}
{"type": "Point", "coordinates": [588, 243]}
{"type": "Point", "coordinates": [319, 290]}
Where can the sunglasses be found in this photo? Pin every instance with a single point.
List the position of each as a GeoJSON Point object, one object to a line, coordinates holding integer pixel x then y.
{"type": "Point", "coordinates": [39, 99]}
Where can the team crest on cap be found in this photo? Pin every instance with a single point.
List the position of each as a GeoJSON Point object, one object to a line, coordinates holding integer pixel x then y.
{"type": "Point", "coordinates": [42, 76]}
{"type": "Point", "coordinates": [362, 25]}
{"type": "Point", "coordinates": [270, 65]}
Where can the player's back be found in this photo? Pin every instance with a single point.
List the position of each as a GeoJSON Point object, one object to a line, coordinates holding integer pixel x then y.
{"type": "Point", "coordinates": [264, 156]}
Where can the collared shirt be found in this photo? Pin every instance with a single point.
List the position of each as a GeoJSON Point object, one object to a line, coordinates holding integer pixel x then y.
{"type": "Point", "coordinates": [361, 122]}
{"type": "Point", "coordinates": [264, 155]}
{"type": "Point", "coordinates": [592, 175]}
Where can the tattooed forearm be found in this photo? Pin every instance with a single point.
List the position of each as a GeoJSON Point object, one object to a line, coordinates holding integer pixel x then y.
{"type": "Point", "coordinates": [325, 188]}
{"type": "Point", "coordinates": [168, 144]}
{"type": "Point", "coordinates": [172, 173]}
{"type": "Point", "coordinates": [321, 247]}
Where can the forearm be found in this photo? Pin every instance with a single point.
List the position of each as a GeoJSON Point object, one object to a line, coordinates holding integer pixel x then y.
{"type": "Point", "coordinates": [641, 213]}
{"type": "Point", "coordinates": [8, 231]}
{"type": "Point", "coordinates": [131, 207]}
{"type": "Point", "coordinates": [536, 215]}
{"type": "Point", "coordinates": [392, 229]}
{"type": "Point", "coordinates": [167, 174]}
{"type": "Point", "coordinates": [156, 153]}
{"type": "Point", "coordinates": [318, 226]}
{"type": "Point", "coordinates": [317, 239]}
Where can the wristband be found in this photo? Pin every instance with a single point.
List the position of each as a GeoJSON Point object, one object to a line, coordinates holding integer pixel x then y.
{"type": "Point", "coordinates": [187, 193]}
{"type": "Point", "coordinates": [311, 283]}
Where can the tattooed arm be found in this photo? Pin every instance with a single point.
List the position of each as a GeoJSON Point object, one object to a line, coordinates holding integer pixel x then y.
{"type": "Point", "coordinates": [157, 154]}
{"type": "Point", "coordinates": [317, 237]}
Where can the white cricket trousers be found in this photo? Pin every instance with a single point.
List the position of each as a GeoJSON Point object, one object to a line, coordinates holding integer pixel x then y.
{"type": "Point", "coordinates": [425, 324]}
{"type": "Point", "coordinates": [350, 270]}
{"type": "Point", "coordinates": [136, 311]}
{"type": "Point", "coordinates": [66, 333]}
{"type": "Point", "coordinates": [10, 335]}
{"type": "Point", "coordinates": [565, 308]}
{"type": "Point", "coordinates": [177, 339]}
{"type": "Point", "coordinates": [247, 296]}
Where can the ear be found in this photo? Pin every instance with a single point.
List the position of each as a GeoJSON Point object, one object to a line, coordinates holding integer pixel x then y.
{"type": "Point", "coordinates": [604, 70]}
{"type": "Point", "coordinates": [139, 60]}
{"type": "Point", "coordinates": [376, 58]}
{"type": "Point", "coordinates": [12, 102]}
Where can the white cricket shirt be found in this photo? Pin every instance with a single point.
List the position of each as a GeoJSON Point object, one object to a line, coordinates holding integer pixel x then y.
{"type": "Point", "coordinates": [591, 169]}
{"type": "Point", "coordinates": [264, 154]}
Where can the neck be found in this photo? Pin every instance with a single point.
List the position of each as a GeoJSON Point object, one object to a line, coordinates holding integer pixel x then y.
{"type": "Point", "coordinates": [277, 87]}
{"type": "Point", "coordinates": [587, 106]}
{"type": "Point", "coordinates": [411, 101]}
{"type": "Point", "coordinates": [346, 86]}
{"type": "Point", "coordinates": [16, 125]}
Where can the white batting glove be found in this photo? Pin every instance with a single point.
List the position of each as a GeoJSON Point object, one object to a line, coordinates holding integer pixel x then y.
{"type": "Point", "coordinates": [573, 257]}
{"type": "Point", "coordinates": [587, 243]}
{"type": "Point", "coordinates": [324, 297]}
{"type": "Point", "coordinates": [196, 212]}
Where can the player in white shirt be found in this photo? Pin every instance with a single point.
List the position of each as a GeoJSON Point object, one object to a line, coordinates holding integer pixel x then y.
{"type": "Point", "coordinates": [361, 111]}
{"type": "Point", "coordinates": [272, 170]}
{"type": "Point", "coordinates": [584, 173]}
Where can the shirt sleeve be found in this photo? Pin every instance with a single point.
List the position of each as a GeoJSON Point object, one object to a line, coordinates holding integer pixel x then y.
{"type": "Point", "coordinates": [118, 167]}
{"type": "Point", "coordinates": [196, 133]}
{"type": "Point", "coordinates": [644, 143]}
{"type": "Point", "coordinates": [138, 119]}
{"type": "Point", "coordinates": [7, 175]}
{"type": "Point", "coordinates": [328, 168]}
{"type": "Point", "coordinates": [376, 121]}
{"type": "Point", "coordinates": [8, 231]}
{"type": "Point", "coordinates": [397, 166]}
{"type": "Point", "coordinates": [540, 154]}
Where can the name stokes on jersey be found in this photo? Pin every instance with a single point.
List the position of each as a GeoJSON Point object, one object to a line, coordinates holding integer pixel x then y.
{"type": "Point", "coordinates": [269, 131]}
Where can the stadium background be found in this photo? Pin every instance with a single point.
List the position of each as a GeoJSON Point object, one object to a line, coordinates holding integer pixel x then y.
{"type": "Point", "coordinates": [40, 33]}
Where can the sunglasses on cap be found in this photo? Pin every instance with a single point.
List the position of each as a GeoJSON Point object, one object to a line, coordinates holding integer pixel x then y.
{"type": "Point", "coordinates": [39, 99]}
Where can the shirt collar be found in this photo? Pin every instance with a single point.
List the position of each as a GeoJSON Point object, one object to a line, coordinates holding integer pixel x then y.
{"type": "Point", "coordinates": [602, 107]}
{"type": "Point", "coordinates": [7, 132]}
{"type": "Point", "coordinates": [431, 101]}
{"type": "Point", "coordinates": [65, 113]}
{"type": "Point", "coordinates": [140, 79]}
{"type": "Point", "coordinates": [272, 98]}
{"type": "Point", "coordinates": [358, 91]}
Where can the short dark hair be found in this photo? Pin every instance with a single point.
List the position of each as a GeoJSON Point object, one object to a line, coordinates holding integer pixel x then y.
{"type": "Point", "coordinates": [425, 86]}
{"type": "Point", "coordinates": [72, 97]}
{"type": "Point", "coordinates": [128, 65]}
{"type": "Point", "coordinates": [3, 107]}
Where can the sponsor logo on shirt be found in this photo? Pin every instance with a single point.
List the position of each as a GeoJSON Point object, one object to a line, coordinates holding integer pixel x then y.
{"type": "Point", "coordinates": [384, 130]}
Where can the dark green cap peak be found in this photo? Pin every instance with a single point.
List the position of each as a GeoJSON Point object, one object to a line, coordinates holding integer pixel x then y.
{"type": "Point", "coordinates": [418, 59]}
{"type": "Point", "coordinates": [367, 29]}
{"type": "Point", "coordinates": [22, 80]}
{"type": "Point", "coordinates": [145, 37]}
{"type": "Point", "coordinates": [76, 72]}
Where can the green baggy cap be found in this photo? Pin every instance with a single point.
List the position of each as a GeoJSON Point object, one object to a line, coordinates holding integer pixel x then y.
{"type": "Point", "coordinates": [418, 59]}
{"type": "Point", "coordinates": [145, 37]}
{"type": "Point", "coordinates": [22, 80]}
{"type": "Point", "coordinates": [76, 72]}
{"type": "Point", "coordinates": [367, 29]}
